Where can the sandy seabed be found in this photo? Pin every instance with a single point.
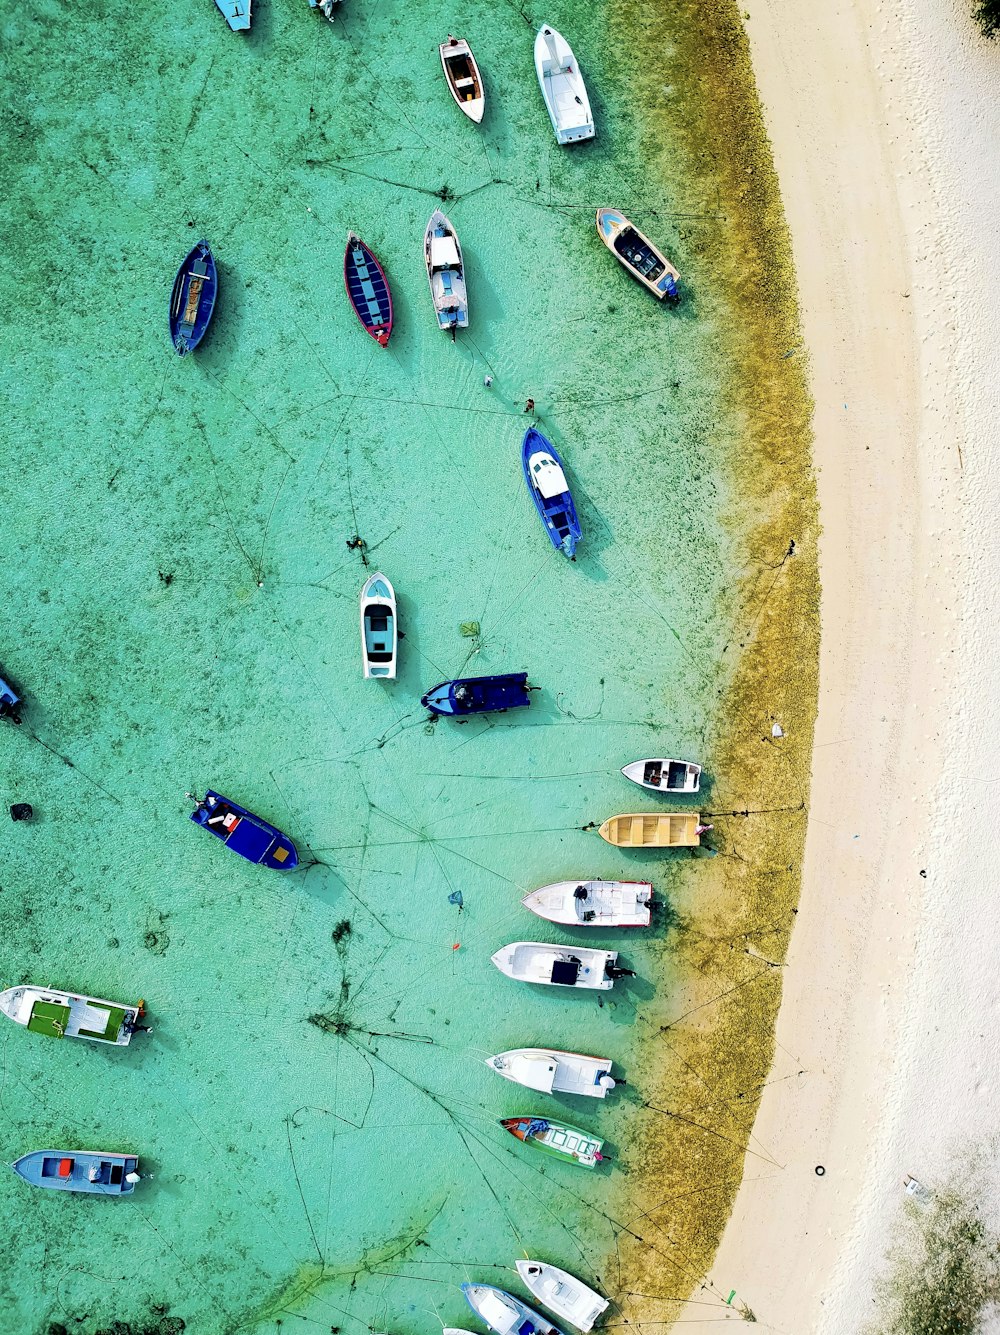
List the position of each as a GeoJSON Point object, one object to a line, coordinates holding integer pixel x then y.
{"type": "Point", "coordinates": [884, 120]}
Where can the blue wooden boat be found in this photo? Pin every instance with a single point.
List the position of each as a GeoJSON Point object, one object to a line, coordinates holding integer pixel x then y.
{"type": "Point", "coordinates": [237, 14]}
{"type": "Point", "coordinates": [505, 1314]}
{"type": "Point", "coordinates": [543, 472]}
{"type": "Point", "coordinates": [246, 834]}
{"type": "Point", "coordinates": [479, 695]}
{"type": "Point", "coordinates": [93, 1171]}
{"type": "Point", "coordinates": [193, 298]}
{"type": "Point", "coordinates": [368, 289]}
{"type": "Point", "coordinates": [9, 701]}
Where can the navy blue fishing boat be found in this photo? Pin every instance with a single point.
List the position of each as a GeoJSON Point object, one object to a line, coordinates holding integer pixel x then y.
{"type": "Point", "coordinates": [368, 289]}
{"type": "Point", "coordinates": [239, 829]}
{"type": "Point", "coordinates": [9, 701]}
{"type": "Point", "coordinates": [543, 472]}
{"type": "Point", "coordinates": [479, 695]}
{"type": "Point", "coordinates": [193, 298]}
{"type": "Point", "coordinates": [93, 1171]}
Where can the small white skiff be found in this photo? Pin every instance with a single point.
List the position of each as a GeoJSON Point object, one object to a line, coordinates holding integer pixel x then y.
{"type": "Point", "coordinates": [559, 966]}
{"type": "Point", "coordinates": [555, 1072]}
{"type": "Point", "coordinates": [593, 903]}
{"type": "Point", "coordinates": [664, 776]}
{"type": "Point", "coordinates": [446, 273]}
{"type": "Point", "coordinates": [46, 1010]}
{"type": "Point", "coordinates": [563, 89]}
{"type": "Point", "coordinates": [561, 1293]}
{"type": "Point", "coordinates": [464, 80]}
{"type": "Point", "coordinates": [378, 628]}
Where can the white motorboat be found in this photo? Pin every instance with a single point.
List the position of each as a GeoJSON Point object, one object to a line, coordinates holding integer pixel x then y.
{"type": "Point", "coordinates": [664, 776]}
{"type": "Point", "coordinates": [58, 1014]}
{"type": "Point", "coordinates": [325, 7]}
{"type": "Point", "coordinates": [563, 1294]}
{"type": "Point", "coordinates": [593, 903]}
{"type": "Point", "coordinates": [560, 966]}
{"type": "Point", "coordinates": [555, 1072]}
{"type": "Point", "coordinates": [563, 89]}
{"type": "Point", "coordinates": [464, 80]}
{"type": "Point", "coordinates": [446, 273]}
{"type": "Point", "coordinates": [505, 1314]}
{"type": "Point", "coordinates": [378, 628]}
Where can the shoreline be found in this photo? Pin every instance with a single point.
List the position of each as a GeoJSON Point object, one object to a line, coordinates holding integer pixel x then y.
{"type": "Point", "coordinates": [867, 206]}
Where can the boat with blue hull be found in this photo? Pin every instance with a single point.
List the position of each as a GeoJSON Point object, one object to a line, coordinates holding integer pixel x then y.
{"type": "Point", "coordinates": [192, 301]}
{"type": "Point", "coordinates": [505, 1314]}
{"type": "Point", "coordinates": [546, 479]}
{"type": "Point", "coordinates": [94, 1171]}
{"type": "Point", "coordinates": [237, 14]}
{"type": "Point", "coordinates": [9, 701]}
{"type": "Point", "coordinates": [250, 836]}
{"type": "Point", "coordinates": [368, 289]}
{"type": "Point", "coordinates": [479, 695]}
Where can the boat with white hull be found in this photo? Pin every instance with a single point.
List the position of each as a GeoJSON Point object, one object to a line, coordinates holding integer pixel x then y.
{"type": "Point", "coordinates": [58, 1014]}
{"type": "Point", "coordinates": [562, 1293]}
{"type": "Point", "coordinates": [560, 966]}
{"type": "Point", "coordinates": [446, 273]}
{"type": "Point", "coordinates": [379, 636]}
{"type": "Point", "coordinates": [505, 1314]}
{"type": "Point", "coordinates": [563, 89]}
{"type": "Point", "coordinates": [555, 1072]}
{"type": "Point", "coordinates": [664, 776]}
{"type": "Point", "coordinates": [593, 903]}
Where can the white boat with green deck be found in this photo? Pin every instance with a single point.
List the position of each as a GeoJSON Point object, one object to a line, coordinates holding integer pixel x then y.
{"type": "Point", "coordinates": [47, 1010]}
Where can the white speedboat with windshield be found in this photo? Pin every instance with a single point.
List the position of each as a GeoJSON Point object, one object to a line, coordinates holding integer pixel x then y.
{"type": "Point", "coordinates": [560, 966]}
{"type": "Point", "coordinates": [563, 89]}
{"type": "Point", "coordinates": [593, 903]}
{"type": "Point", "coordinates": [562, 1293]}
{"type": "Point", "coordinates": [555, 1072]}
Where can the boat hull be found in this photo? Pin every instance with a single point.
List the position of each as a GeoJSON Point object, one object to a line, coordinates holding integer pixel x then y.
{"type": "Point", "coordinates": [545, 477]}
{"type": "Point", "coordinates": [562, 1293]}
{"type": "Point", "coordinates": [379, 631]}
{"type": "Point", "coordinates": [95, 1172]}
{"type": "Point", "coordinates": [559, 1139]}
{"type": "Point", "coordinates": [674, 829]}
{"type": "Point", "coordinates": [192, 299]}
{"type": "Point", "coordinates": [368, 290]}
{"type": "Point", "coordinates": [664, 775]}
{"type": "Point", "coordinates": [504, 1313]}
{"type": "Point", "coordinates": [462, 75]}
{"type": "Point", "coordinates": [563, 90]}
{"type": "Point", "coordinates": [59, 1014]}
{"type": "Point", "coordinates": [446, 273]}
{"type": "Point", "coordinates": [479, 695]}
{"type": "Point", "coordinates": [636, 253]}
{"type": "Point", "coordinates": [249, 836]}
{"type": "Point", "coordinates": [604, 903]}
{"type": "Point", "coordinates": [551, 1071]}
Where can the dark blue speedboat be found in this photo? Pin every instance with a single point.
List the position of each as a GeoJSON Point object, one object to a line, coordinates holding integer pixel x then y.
{"type": "Point", "coordinates": [80, 1170]}
{"type": "Point", "coordinates": [479, 695]}
{"type": "Point", "coordinates": [193, 298]}
{"type": "Point", "coordinates": [9, 701]}
{"type": "Point", "coordinates": [368, 289]}
{"type": "Point", "coordinates": [250, 836]}
{"type": "Point", "coordinates": [543, 472]}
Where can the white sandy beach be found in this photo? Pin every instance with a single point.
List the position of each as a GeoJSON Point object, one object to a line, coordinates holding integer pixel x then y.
{"type": "Point", "coordinates": [885, 125]}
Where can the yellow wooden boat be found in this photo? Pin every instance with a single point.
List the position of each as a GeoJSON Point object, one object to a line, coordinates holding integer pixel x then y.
{"type": "Point", "coordinates": [677, 829]}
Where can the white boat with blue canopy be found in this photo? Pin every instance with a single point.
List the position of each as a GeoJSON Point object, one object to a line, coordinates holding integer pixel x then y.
{"type": "Point", "coordinates": [58, 1014]}
{"type": "Point", "coordinates": [563, 89]}
{"type": "Point", "coordinates": [379, 635]}
{"type": "Point", "coordinates": [446, 273]}
{"type": "Point", "coordinates": [504, 1313]}
{"type": "Point", "coordinates": [562, 1293]}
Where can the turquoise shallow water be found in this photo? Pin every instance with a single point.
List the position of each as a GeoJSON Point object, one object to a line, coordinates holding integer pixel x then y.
{"type": "Point", "coordinates": [180, 608]}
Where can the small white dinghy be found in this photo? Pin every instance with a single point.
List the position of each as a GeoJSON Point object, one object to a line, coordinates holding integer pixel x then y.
{"type": "Point", "coordinates": [464, 80]}
{"type": "Point", "coordinates": [560, 966]}
{"type": "Point", "coordinates": [378, 628]}
{"type": "Point", "coordinates": [664, 776]}
{"type": "Point", "coordinates": [446, 273]}
{"type": "Point", "coordinates": [561, 1293]}
{"type": "Point", "coordinates": [593, 903]}
{"type": "Point", "coordinates": [563, 89]}
{"type": "Point", "coordinates": [555, 1072]}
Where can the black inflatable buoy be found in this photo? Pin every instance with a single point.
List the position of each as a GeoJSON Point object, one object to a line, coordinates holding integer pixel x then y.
{"type": "Point", "coordinates": [21, 811]}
